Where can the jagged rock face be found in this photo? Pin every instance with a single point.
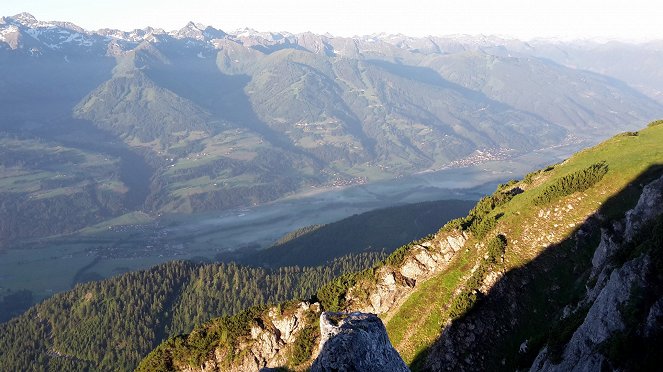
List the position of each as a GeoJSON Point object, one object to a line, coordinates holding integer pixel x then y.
{"type": "Point", "coordinates": [355, 342]}
{"type": "Point", "coordinates": [606, 248]}
{"type": "Point", "coordinates": [394, 284]}
{"type": "Point", "coordinates": [603, 319]}
{"type": "Point", "coordinates": [654, 318]}
{"type": "Point", "coordinates": [613, 289]}
{"type": "Point", "coordinates": [609, 289]}
{"type": "Point", "coordinates": [268, 343]}
{"type": "Point", "coordinates": [648, 207]}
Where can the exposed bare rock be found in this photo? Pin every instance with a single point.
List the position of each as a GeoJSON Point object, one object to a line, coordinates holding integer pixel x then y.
{"type": "Point", "coordinates": [426, 258]}
{"type": "Point", "coordinates": [654, 319]}
{"type": "Point", "coordinates": [490, 280]}
{"type": "Point", "coordinates": [606, 249]}
{"type": "Point", "coordinates": [456, 242]}
{"type": "Point", "coordinates": [355, 342]}
{"type": "Point", "coordinates": [268, 343]}
{"type": "Point", "coordinates": [394, 284]}
{"type": "Point", "coordinates": [413, 269]}
{"type": "Point", "coordinates": [288, 325]}
{"type": "Point", "coordinates": [603, 319]}
{"type": "Point", "coordinates": [648, 207]}
{"type": "Point", "coordinates": [389, 280]}
{"type": "Point", "coordinates": [613, 287]}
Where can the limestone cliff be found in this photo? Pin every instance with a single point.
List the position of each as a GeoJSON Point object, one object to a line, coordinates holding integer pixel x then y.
{"type": "Point", "coordinates": [268, 344]}
{"type": "Point", "coordinates": [395, 282]}
{"type": "Point", "coordinates": [355, 342]}
{"type": "Point", "coordinates": [618, 286]}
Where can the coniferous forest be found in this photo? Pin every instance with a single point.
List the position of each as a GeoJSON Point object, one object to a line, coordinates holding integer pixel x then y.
{"type": "Point", "coordinates": [113, 324]}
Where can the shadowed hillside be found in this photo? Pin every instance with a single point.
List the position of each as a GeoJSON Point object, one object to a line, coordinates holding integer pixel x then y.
{"type": "Point", "coordinates": [542, 303]}
{"type": "Point", "coordinates": [378, 230]}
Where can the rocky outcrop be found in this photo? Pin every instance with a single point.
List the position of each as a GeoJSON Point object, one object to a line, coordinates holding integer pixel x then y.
{"type": "Point", "coordinates": [272, 336]}
{"type": "Point", "coordinates": [654, 322]}
{"type": "Point", "coordinates": [603, 319]}
{"type": "Point", "coordinates": [395, 283]}
{"type": "Point", "coordinates": [268, 343]}
{"type": "Point", "coordinates": [355, 342]}
{"type": "Point", "coordinates": [607, 248]}
{"type": "Point", "coordinates": [625, 231]}
{"type": "Point", "coordinates": [648, 207]}
{"type": "Point", "coordinates": [615, 285]}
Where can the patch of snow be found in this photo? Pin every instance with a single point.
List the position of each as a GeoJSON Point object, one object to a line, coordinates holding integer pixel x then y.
{"type": "Point", "coordinates": [200, 55]}
{"type": "Point", "coordinates": [6, 31]}
{"type": "Point", "coordinates": [151, 38]}
{"type": "Point", "coordinates": [34, 33]}
{"type": "Point", "coordinates": [71, 37]}
{"type": "Point", "coordinates": [246, 33]}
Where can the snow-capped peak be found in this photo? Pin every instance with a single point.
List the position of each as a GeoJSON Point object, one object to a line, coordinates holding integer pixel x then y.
{"type": "Point", "coordinates": [249, 33]}
{"type": "Point", "coordinates": [197, 31]}
{"type": "Point", "coordinates": [5, 31]}
{"type": "Point", "coordinates": [53, 35]}
{"type": "Point", "coordinates": [25, 19]}
{"type": "Point", "coordinates": [190, 31]}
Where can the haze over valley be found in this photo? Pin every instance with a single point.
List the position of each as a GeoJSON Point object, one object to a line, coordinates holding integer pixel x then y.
{"type": "Point", "coordinates": [119, 150]}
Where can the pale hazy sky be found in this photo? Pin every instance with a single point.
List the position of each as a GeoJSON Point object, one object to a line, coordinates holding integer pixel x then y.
{"type": "Point", "coordinates": [632, 19]}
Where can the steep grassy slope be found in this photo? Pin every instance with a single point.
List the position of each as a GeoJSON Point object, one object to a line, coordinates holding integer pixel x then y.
{"type": "Point", "coordinates": [469, 295]}
{"type": "Point", "coordinates": [531, 228]}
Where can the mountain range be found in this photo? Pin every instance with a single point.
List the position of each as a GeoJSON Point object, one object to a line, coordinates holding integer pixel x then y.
{"type": "Point", "coordinates": [200, 119]}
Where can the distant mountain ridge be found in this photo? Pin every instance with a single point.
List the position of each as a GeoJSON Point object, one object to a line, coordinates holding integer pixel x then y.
{"type": "Point", "coordinates": [227, 119]}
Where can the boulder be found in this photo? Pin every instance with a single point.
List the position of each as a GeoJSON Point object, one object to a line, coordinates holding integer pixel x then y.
{"type": "Point", "coordinates": [355, 342]}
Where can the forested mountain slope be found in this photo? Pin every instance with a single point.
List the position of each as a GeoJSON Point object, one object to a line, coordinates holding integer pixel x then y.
{"type": "Point", "coordinates": [111, 325]}
{"type": "Point", "coordinates": [564, 264]}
